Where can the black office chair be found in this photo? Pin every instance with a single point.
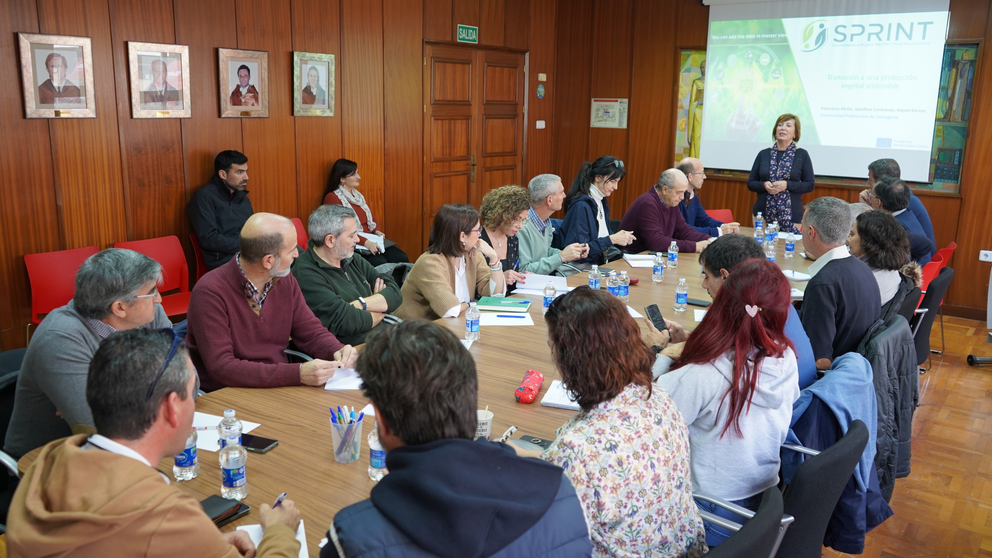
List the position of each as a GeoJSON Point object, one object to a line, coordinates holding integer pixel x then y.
{"type": "Point", "coordinates": [760, 534]}
{"type": "Point", "coordinates": [8, 472]}
{"type": "Point", "coordinates": [922, 322]}
{"type": "Point", "coordinates": [815, 488]}
{"type": "Point", "coordinates": [909, 304]}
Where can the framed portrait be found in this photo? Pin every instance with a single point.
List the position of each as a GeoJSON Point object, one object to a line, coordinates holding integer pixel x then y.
{"type": "Point", "coordinates": [159, 80]}
{"type": "Point", "coordinates": [313, 84]}
{"type": "Point", "coordinates": [244, 83]}
{"type": "Point", "coordinates": [57, 75]}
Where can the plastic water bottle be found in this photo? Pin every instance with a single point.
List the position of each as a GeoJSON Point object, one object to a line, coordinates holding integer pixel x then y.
{"type": "Point", "coordinates": [550, 292]}
{"type": "Point", "coordinates": [472, 317]}
{"type": "Point", "coordinates": [613, 284]}
{"type": "Point", "coordinates": [770, 251]}
{"type": "Point", "coordinates": [594, 277]}
{"type": "Point", "coordinates": [790, 245]}
{"type": "Point", "coordinates": [759, 221]}
{"type": "Point", "coordinates": [775, 231]}
{"type": "Point", "coordinates": [233, 459]}
{"type": "Point", "coordinates": [681, 296]}
{"type": "Point", "coordinates": [377, 455]}
{"type": "Point", "coordinates": [759, 235]}
{"type": "Point", "coordinates": [187, 465]}
{"type": "Point", "coordinates": [658, 273]}
{"type": "Point", "coordinates": [770, 235]}
{"type": "Point", "coordinates": [673, 255]}
{"type": "Point", "coordinates": [624, 287]}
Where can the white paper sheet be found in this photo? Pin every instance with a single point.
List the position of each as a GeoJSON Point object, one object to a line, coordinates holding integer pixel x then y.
{"type": "Point", "coordinates": [209, 440]}
{"type": "Point", "coordinates": [639, 260]}
{"type": "Point", "coordinates": [540, 293]}
{"type": "Point", "coordinates": [796, 275]}
{"type": "Point", "coordinates": [344, 378]}
{"type": "Point", "coordinates": [797, 294]}
{"type": "Point", "coordinates": [495, 319]}
{"type": "Point", "coordinates": [467, 343]}
{"type": "Point", "coordinates": [369, 410]}
{"type": "Point", "coordinates": [557, 396]}
{"type": "Point", "coordinates": [255, 532]}
{"type": "Point", "coordinates": [374, 238]}
{"type": "Point", "coordinates": [537, 282]}
{"type": "Point", "coordinates": [698, 314]}
{"type": "Point", "coordinates": [634, 313]}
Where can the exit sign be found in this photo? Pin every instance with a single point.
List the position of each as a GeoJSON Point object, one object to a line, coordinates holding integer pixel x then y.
{"type": "Point", "coordinates": [468, 34]}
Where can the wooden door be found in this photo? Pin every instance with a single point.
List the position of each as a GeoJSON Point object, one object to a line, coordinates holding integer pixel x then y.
{"type": "Point", "coordinates": [473, 125]}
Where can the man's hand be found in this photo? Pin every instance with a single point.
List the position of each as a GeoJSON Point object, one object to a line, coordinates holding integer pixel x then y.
{"type": "Point", "coordinates": [701, 244]}
{"type": "Point", "coordinates": [654, 337]}
{"type": "Point", "coordinates": [521, 452]}
{"type": "Point", "coordinates": [377, 317]}
{"type": "Point", "coordinates": [317, 371]}
{"type": "Point", "coordinates": [249, 100]}
{"type": "Point", "coordinates": [378, 285]}
{"type": "Point", "coordinates": [286, 514]}
{"type": "Point", "coordinates": [823, 363]}
{"type": "Point", "coordinates": [573, 252]}
{"type": "Point", "coordinates": [730, 228]}
{"type": "Point", "coordinates": [864, 196]}
{"type": "Point", "coordinates": [241, 541]}
{"type": "Point", "coordinates": [678, 333]}
{"type": "Point", "coordinates": [346, 356]}
{"type": "Point", "coordinates": [513, 276]}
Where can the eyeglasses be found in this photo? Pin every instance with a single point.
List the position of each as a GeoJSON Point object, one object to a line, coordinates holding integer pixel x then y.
{"type": "Point", "coordinates": [176, 340]}
{"type": "Point", "coordinates": [476, 231]}
{"type": "Point", "coordinates": [702, 173]}
{"type": "Point", "coordinates": [618, 163]}
{"type": "Point", "coordinates": [152, 294]}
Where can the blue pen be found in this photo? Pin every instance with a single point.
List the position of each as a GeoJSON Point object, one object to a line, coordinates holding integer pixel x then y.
{"type": "Point", "coordinates": [279, 500]}
{"type": "Point", "coordinates": [515, 264]}
{"type": "Point", "coordinates": [508, 316]}
{"type": "Point", "coordinates": [360, 417]}
{"type": "Point", "coordinates": [352, 414]}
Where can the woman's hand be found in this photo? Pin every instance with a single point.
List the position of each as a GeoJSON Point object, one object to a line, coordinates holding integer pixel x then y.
{"type": "Point", "coordinates": [380, 233]}
{"type": "Point", "coordinates": [622, 238]}
{"type": "Point", "coordinates": [372, 246]}
{"type": "Point", "coordinates": [512, 276]}
{"type": "Point", "coordinates": [770, 188]}
{"type": "Point", "coordinates": [654, 337]}
{"type": "Point", "coordinates": [780, 186]}
{"type": "Point", "coordinates": [487, 251]}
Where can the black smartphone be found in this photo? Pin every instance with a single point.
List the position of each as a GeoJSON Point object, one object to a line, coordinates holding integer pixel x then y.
{"type": "Point", "coordinates": [243, 510]}
{"type": "Point", "coordinates": [531, 442]}
{"type": "Point", "coordinates": [698, 302]}
{"type": "Point", "coordinates": [257, 444]}
{"type": "Point", "coordinates": [223, 510]}
{"type": "Point", "coordinates": [655, 316]}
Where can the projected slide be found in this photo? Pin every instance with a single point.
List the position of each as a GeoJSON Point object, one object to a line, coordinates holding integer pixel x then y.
{"type": "Point", "coordinates": [863, 87]}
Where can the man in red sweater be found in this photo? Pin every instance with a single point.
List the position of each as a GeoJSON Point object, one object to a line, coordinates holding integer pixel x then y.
{"type": "Point", "coordinates": [656, 221]}
{"type": "Point", "coordinates": [243, 314]}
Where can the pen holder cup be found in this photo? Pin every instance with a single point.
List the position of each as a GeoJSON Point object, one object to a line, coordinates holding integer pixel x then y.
{"type": "Point", "coordinates": [347, 441]}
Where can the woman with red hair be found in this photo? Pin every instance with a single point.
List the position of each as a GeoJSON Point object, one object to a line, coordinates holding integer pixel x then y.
{"type": "Point", "coordinates": [735, 384]}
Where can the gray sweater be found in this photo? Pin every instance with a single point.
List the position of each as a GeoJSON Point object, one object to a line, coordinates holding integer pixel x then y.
{"type": "Point", "coordinates": [53, 378]}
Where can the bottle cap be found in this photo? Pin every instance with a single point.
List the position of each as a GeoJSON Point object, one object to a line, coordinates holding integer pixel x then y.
{"type": "Point", "coordinates": [229, 413]}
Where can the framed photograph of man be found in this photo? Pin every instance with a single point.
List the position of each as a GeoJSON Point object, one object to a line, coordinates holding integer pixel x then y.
{"type": "Point", "coordinates": [313, 84]}
{"type": "Point", "coordinates": [244, 83]}
{"type": "Point", "coordinates": [159, 80]}
{"type": "Point", "coordinates": [57, 76]}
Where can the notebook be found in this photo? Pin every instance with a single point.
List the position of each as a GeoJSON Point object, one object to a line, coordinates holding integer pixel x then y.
{"type": "Point", "coordinates": [557, 396]}
{"type": "Point", "coordinates": [500, 304]}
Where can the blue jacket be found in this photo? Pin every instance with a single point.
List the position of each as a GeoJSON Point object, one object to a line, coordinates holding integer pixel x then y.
{"type": "Point", "coordinates": [920, 246]}
{"type": "Point", "coordinates": [457, 498]}
{"type": "Point", "coordinates": [916, 206]}
{"type": "Point", "coordinates": [694, 214]}
{"type": "Point", "coordinates": [580, 225]}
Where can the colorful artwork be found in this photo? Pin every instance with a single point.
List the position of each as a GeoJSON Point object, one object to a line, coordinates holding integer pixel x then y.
{"type": "Point", "coordinates": [689, 118]}
{"type": "Point", "coordinates": [957, 76]}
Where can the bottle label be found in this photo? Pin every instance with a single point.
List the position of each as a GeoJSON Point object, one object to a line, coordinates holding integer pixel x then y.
{"type": "Point", "coordinates": [594, 283]}
{"type": "Point", "coordinates": [673, 256]}
{"type": "Point", "coordinates": [233, 478]}
{"type": "Point", "coordinates": [681, 298]}
{"type": "Point", "coordinates": [377, 459]}
{"type": "Point", "coordinates": [659, 270]}
{"type": "Point", "coordinates": [547, 301]}
{"type": "Point", "coordinates": [769, 237]}
{"type": "Point", "coordinates": [790, 246]}
{"type": "Point", "coordinates": [187, 458]}
{"type": "Point", "coordinates": [224, 442]}
{"type": "Point", "coordinates": [472, 326]}
{"type": "Point", "coordinates": [624, 290]}
{"type": "Point", "coordinates": [771, 256]}
{"type": "Point", "coordinates": [615, 291]}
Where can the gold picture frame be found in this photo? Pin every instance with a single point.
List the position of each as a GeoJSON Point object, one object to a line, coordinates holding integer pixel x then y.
{"type": "Point", "coordinates": [67, 60]}
{"type": "Point", "coordinates": [248, 99]}
{"type": "Point", "coordinates": [313, 84]}
{"type": "Point", "coordinates": [159, 82]}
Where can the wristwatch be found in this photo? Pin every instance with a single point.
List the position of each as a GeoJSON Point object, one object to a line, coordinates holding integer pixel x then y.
{"type": "Point", "coordinates": [364, 305]}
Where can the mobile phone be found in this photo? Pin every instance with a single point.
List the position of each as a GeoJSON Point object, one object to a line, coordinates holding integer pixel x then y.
{"type": "Point", "coordinates": [531, 442]}
{"type": "Point", "coordinates": [698, 302]}
{"type": "Point", "coordinates": [655, 316]}
{"type": "Point", "coordinates": [605, 270]}
{"type": "Point", "coordinates": [223, 510]}
{"type": "Point", "coordinates": [257, 444]}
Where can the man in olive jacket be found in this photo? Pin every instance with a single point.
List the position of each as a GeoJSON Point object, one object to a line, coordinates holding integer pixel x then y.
{"type": "Point", "coordinates": [346, 293]}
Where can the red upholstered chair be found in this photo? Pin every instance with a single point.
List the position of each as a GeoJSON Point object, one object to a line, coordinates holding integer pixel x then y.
{"type": "Point", "coordinates": [53, 278]}
{"type": "Point", "coordinates": [168, 252]}
{"type": "Point", "coordinates": [722, 215]}
{"type": "Point", "coordinates": [201, 264]}
{"type": "Point", "coordinates": [301, 234]}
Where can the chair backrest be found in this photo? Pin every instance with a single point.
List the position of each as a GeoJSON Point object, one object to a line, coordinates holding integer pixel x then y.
{"type": "Point", "coordinates": [53, 278]}
{"type": "Point", "coordinates": [921, 324]}
{"type": "Point", "coordinates": [168, 252]}
{"type": "Point", "coordinates": [8, 385]}
{"type": "Point", "coordinates": [722, 215]}
{"type": "Point", "coordinates": [201, 264]}
{"type": "Point", "coordinates": [930, 271]}
{"type": "Point", "coordinates": [946, 253]}
{"type": "Point", "coordinates": [814, 491]}
{"type": "Point", "coordinates": [910, 304]}
{"type": "Point", "coordinates": [758, 536]}
{"type": "Point", "coordinates": [301, 234]}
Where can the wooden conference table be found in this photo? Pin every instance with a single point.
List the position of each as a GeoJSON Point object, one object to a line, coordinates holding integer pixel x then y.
{"type": "Point", "coordinates": [303, 463]}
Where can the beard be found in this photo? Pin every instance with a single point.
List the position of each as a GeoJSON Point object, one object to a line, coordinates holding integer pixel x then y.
{"type": "Point", "coordinates": [274, 272]}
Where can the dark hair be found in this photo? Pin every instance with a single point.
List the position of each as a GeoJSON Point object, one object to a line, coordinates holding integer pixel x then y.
{"type": "Point", "coordinates": [893, 193]}
{"type": "Point", "coordinates": [422, 380]}
{"type": "Point", "coordinates": [341, 169]}
{"type": "Point", "coordinates": [607, 166]}
{"type": "Point", "coordinates": [254, 248]}
{"type": "Point", "coordinates": [884, 168]}
{"type": "Point", "coordinates": [728, 251]}
{"type": "Point", "coordinates": [782, 119]}
{"type": "Point", "coordinates": [245, 68]}
{"type": "Point", "coordinates": [727, 327]}
{"type": "Point", "coordinates": [686, 166]}
{"type": "Point", "coordinates": [121, 372]}
{"type": "Point", "coordinates": [597, 346]}
{"type": "Point", "coordinates": [54, 55]}
{"type": "Point", "coordinates": [227, 159]}
{"type": "Point", "coordinates": [501, 206]}
{"type": "Point", "coordinates": [884, 241]}
{"type": "Point", "coordinates": [449, 221]}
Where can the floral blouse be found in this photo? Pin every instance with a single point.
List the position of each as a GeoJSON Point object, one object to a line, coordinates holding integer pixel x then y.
{"type": "Point", "coordinates": [628, 459]}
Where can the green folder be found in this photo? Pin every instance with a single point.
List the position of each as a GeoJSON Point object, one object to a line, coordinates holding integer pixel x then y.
{"type": "Point", "coordinates": [500, 304]}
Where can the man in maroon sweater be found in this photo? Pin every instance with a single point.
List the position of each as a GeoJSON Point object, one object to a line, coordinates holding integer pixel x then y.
{"type": "Point", "coordinates": [243, 314]}
{"type": "Point", "coordinates": [656, 221]}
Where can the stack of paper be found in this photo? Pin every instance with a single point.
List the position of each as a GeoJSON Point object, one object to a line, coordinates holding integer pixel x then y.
{"type": "Point", "coordinates": [557, 396]}
{"type": "Point", "coordinates": [255, 532]}
{"type": "Point", "coordinates": [533, 284]}
{"type": "Point", "coordinates": [639, 260]}
{"type": "Point", "coordinates": [206, 430]}
{"type": "Point", "coordinates": [374, 238]}
{"type": "Point", "coordinates": [796, 275]}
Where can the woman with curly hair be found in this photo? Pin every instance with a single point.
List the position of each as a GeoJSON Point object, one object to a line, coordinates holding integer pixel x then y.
{"type": "Point", "coordinates": [883, 243]}
{"type": "Point", "coordinates": [627, 450]}
{"type": "Point", "coordinates": [503, 214]}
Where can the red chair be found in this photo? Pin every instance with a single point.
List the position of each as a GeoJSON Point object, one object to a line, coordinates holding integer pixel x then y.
{"type": "Point", "coordinates": [946, 253]}
{"type": "Point", "coordinates": [722, 215]}
{"type": "Point", "coordinates": [53, 278]}
{"type": "Point", "coordinates": [301, 234]}
{"type": "Point", "coordinates": [168, 252]}
{"type": "Point", "coordinates": [201, 264]}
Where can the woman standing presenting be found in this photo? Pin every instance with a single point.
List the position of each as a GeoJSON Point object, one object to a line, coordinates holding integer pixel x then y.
{"type": "Point", "coordinates": [781, 175]}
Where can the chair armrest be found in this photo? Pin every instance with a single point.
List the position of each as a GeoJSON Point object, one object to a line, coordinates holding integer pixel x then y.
{"type": "Point", "coordinates": [743, 512]}
{"type": "Point", "coordinates": [391, 319]}
{"type": "Point", "coordinates": [800, 449]}
{"type": "Point", "coordinates": [921, 310]}
{"type": "Point", "coordinates": [720, 521]}
{"type": "Point", "coordinates": [303, 356]}
{"type": "Point", "coordinates": [10, 463]}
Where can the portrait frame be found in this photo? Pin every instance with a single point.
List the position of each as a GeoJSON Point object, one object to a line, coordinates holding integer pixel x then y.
{"type": "Point", "coordinates": [146, 100]}
{"type": "Point", "coordinates": [75, 96]}
{"type": "Point", "coordinates": [229, 62]}
{"type": "Point", "coordinates": [324, 66]}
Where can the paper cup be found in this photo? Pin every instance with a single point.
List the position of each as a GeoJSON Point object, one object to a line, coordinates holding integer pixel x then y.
{"type": "Point", "coordinates": [485, 427]}
{"type": "Point", "coordinates": [347, 441]}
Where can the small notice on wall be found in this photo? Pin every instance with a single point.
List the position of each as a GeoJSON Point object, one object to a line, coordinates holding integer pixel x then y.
{"type": "Point", "coordinates": [609, 113]}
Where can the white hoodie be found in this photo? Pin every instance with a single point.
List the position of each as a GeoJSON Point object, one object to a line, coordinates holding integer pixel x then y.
{"type": "Point", "coordinates": [733, 467]}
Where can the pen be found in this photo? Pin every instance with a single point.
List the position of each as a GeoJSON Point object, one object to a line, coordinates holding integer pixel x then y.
{"type": "Point", "coordinates": [352, 414]}
{"type": "Point", "coordinates": [279, 500]}
{"type": "Point", "coordinates": [515, 264]}
{"type": "Point", "coordinates": [508, 316]}
{"type": "Point", "coordinates": [360, 417]}
{"type": "Point", "coordinates": [201, 428]}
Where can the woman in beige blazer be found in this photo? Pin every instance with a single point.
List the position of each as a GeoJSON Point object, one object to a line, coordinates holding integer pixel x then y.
{"type": "Point", "coordinates": [457, 268]}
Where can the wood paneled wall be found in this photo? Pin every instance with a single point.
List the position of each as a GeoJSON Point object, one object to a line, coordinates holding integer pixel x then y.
{"type": "Point", "coordinates": [80, 182]}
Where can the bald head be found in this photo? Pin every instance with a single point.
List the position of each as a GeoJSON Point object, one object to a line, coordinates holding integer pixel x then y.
{"type": "Point", "coordinates": [266, 234]}
{"type": "Point", "coordinates": [693, 170]}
